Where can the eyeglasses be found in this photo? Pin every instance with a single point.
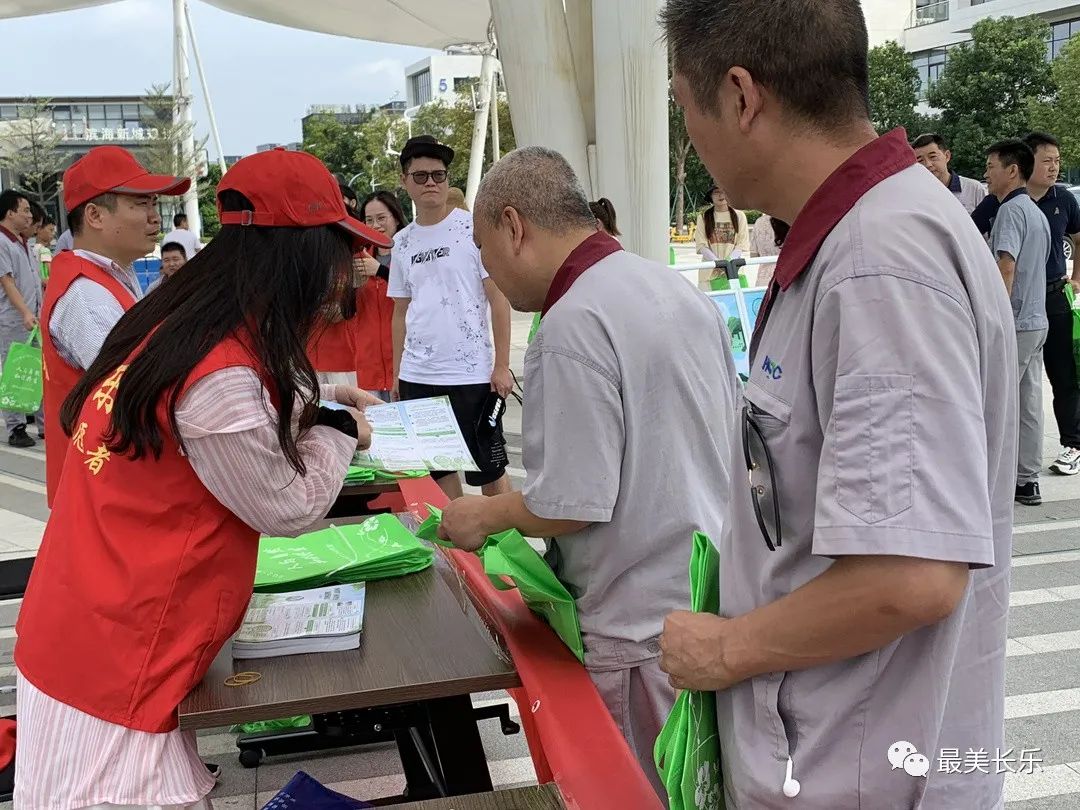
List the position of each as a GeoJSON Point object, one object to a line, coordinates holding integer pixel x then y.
{"type": "Point", "coordinates": [762, 481]}
{"type": "Point", "coordinates": [381, 219]}
{"type": "Point", "coordinates": [421, 178]}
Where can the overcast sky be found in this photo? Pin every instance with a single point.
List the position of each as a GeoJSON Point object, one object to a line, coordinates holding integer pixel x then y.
{"type": "Point", "coordinates": [262, 77]}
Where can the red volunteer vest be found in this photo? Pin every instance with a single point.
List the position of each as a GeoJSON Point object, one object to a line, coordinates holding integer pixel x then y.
{"type": "Point", "coordinates": [59, 375]}
{"type": "Point", "coordinates": [142, 574]}
{"type": "Point", "coordinates": [333, 347]}
{"type": "Point", "coordinates": [374, 349]}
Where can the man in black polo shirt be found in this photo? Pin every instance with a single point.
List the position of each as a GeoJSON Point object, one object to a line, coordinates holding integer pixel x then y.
{"type": "Point", "coordinates": [1063, 212]}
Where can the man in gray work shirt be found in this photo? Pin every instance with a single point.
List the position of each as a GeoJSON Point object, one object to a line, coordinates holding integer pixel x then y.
{"type": "Point", "coordinates": [625, 432]}
{"type": "Point", "coordinates": [20, 293]}
{"type": "Point", "coordinates": [1020, 240]}
{"type": "Point", "coordinates": [864, 584]}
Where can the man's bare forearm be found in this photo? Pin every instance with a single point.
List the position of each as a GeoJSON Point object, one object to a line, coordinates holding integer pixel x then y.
{"type": "Point", "coordinates": [13, 294]}
{"type": "Point", "coordinates": [858, 605]}
{"type": "Point", "coordinates": [1007, 268]}
{"type": "Point", "coordinates": [510, 512]}
{"type": "Point", "coordinates": [500, 326]}
{"type": "Point", "coordinates": [397, 334]}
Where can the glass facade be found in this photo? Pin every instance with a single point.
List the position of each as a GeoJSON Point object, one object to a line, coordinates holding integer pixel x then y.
{"type": "Point", "coordinates": [928, 12]}
{"type": "Point", "coordinates": [1060, 33]}
{"type": "Point", "coordinates": [419, 90]}
{"type": "Point", "coordinates": [929, 65]}
{"type": "Point", "coordinates": [125, 120]}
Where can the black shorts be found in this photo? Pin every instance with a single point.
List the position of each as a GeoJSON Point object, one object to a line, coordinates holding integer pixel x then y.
{"type": "Point", "coordinates": [468, 404]}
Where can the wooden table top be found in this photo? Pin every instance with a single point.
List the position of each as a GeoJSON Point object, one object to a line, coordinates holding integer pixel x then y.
{"type": "Point", "coordinates": [541, 797]}
{"type": "Point", "coordinates": [422, 639]}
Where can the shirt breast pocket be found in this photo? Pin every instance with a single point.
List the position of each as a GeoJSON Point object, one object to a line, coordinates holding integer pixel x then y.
{"type": "Point", "coordinates": [872, 438]}
{"type": "Point", "coordinates": [771, 414]}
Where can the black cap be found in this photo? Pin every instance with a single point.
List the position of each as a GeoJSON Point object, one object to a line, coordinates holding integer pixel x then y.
{"type": "Point", "coordinates": [426, 146]}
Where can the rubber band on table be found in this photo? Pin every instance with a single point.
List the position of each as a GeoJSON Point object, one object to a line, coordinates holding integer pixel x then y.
{"type": "Point", "coordinates": [243, 679]}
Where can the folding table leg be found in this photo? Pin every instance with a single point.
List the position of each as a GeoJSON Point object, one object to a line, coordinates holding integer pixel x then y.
{"type": "Point", "coordinates": [458, 749]}
{"type": "Point", "coordinates": [418, 783]}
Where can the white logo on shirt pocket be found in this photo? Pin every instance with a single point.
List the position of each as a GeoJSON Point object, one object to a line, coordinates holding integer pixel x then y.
{"type": "Point", "coordinates": [872, 443]}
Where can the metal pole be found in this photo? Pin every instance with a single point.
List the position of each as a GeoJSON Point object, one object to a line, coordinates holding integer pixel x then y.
{"type": "Point", "coordinates": [479, 133]}
{"type": "Point", "coordinates": [182, 111]}
{"type": "Point", "coordinates": [495, 151]}
{"type": "Point", "coordinates": [205, 91]}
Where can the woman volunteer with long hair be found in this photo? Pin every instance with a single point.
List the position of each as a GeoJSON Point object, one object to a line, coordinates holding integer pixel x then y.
{"type": "Point", "coordinates": [197, 428]}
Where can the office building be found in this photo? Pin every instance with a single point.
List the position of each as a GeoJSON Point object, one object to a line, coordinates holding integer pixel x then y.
{"type": "Point", "coordinates": [84, 122]}
{"type": "Point", "coordinates": [440, 77]}
{"type": "Point", "coordinates": [935, 26]}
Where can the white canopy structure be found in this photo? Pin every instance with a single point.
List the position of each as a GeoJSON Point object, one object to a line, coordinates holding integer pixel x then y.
{"type": "Point", "coordinates": [585, 77]}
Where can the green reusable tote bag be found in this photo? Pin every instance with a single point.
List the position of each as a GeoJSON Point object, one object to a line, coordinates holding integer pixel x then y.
{"type": "Point", "coordinates": [508, 556]}
{"type": "Point", "coordinates": [20, 378]}
{"type": "Point", "coordinates": [687, 752]}
{"type": "Point", "coordinates": [1076, 326]}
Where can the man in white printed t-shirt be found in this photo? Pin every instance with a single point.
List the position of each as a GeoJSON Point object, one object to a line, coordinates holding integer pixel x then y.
{"type": "Point", "coordinates": [441, 327]}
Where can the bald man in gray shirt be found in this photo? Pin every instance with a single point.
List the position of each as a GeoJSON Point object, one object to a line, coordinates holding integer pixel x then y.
{"type": "Point", "coordinates": [629, 410]}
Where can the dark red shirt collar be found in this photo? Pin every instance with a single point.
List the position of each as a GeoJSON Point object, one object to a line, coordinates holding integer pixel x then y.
{"type": "Point", "coordinates": [18, 240]}
{"type": "Point", "coordinates": [882, 158]}
{"type": "Point", "coordinates": [598, 246]}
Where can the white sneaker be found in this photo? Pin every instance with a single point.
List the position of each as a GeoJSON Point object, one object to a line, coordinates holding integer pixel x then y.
{"type": "Point", "coordinates": [1068, 463]}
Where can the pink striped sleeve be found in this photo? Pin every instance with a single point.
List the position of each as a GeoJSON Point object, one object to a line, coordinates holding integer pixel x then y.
{"type": "Point", "coordinates": [229, 430]}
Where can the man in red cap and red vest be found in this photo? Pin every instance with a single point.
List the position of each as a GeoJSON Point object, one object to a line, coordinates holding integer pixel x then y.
{"type": "Point", "coordinates": [111, 200]}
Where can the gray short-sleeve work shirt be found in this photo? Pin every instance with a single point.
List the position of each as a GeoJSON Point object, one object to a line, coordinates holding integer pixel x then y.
{"type": "Point", "coordinates": [630, 392]}
{"type": "Point", "coordinates": [1022, 231]}
{"type": "Point", "coordinates": [884, 384]}
{"type": "Point", "coordinates": [17, 261]}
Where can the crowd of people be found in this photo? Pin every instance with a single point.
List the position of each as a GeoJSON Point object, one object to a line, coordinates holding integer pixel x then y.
{"type": "Point", "coordinates": [1027, 217]}
{"type": "Point", "coordinates": [859, 487]}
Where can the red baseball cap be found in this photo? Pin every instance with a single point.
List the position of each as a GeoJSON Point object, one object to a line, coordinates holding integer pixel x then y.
{"type": "Point", "coordinates": [106, 169]}
{"type": "Point", "coordinates": [292, 190]}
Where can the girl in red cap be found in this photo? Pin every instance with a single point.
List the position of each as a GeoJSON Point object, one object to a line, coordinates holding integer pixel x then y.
{"type": "Point", "coordinates": [197, 428]}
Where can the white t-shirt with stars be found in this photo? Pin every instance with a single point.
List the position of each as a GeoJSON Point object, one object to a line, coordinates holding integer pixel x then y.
{"type": "Point", "coordinates": [448, 326]}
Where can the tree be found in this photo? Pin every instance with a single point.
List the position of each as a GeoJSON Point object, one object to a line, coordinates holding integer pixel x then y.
{"type": "Point", "coordinates": [28, 149]}
{"type": "Point", "coordinates": [208, 201]}
{"type": "Point", "coordinates": [894, 88]}
{"type": "Point", "coordinates": [163, 149]}
{"type": "Point", "coordinates": [1061, 116]}
{"type": "Point", "coordinates": [680, 147]}
{"type": "Point", "coordinates": [363, 152]}
{"type": "Point", "coordinates": [452, 124]}
{"type": "Point", "coordinates": [989, 85]}
{"type": "Point", "coordinates": [335, 144]}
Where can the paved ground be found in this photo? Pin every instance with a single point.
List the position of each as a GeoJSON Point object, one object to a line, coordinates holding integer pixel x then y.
{"type": "Point", "coordinates": [1043, 683]}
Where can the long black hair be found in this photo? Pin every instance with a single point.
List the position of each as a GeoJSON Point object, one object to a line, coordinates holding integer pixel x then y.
{"type": "Point", "coordinates": [269, 286]}
{"type": "Point", "coordinates": [710, 220]}
{"type": "Point", "coordinates": [780, 231]}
